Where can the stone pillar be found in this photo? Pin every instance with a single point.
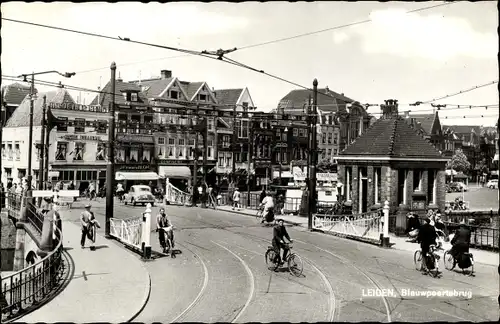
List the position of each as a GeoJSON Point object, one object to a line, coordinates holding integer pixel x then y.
{"type": "Point", "coordinates": [409, 188]}
{"type": "Point", "coordinates": [46, 244]}
{"type": "Point", "coordinates": [440, 189]}
{"type": "Point", "coordinates": [19, 251]}
{"type": "Point", "coordinates": [425, 185]}
{"type": "Point", "coordinates": [355, 189]}
{"type": "Point", "coordinates": [371, 186]}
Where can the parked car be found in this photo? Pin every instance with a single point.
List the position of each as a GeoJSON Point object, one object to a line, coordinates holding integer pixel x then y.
{"type": "Point", "coordinates": [492, 184]}
{"type": "Point", "coordinates": [456, 187]}
{"type": "Point", "coordinates": [139, 194]}
{"type": "Point", "coordinates": [463, 186]}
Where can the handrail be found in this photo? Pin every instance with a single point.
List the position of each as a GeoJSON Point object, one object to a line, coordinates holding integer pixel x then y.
{"type": "Point", "coordinates": [27, 287]}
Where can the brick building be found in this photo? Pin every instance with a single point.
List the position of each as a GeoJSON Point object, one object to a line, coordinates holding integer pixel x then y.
{"type": "Point", "coordinates": [392, 161]}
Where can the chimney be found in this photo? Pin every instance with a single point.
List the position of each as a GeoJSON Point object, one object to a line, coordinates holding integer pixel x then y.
{"type": "Point", "coordinates": [119, 77]}
{"type": "Point", "coordinates": [326, 90]}
{"type": "Point", "coordinates": [407, 114]}
{"type": "Point", "coordinates": [390, 109]}
{"type": "Point", "coordinates": [165, 74]}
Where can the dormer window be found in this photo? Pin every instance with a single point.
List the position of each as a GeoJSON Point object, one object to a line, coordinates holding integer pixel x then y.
{"type": "Point", "coordinates": [130, 96]}
{"type": "Point", "coordinates": [174, 94]}
{"type": "Point", "coordinates": [203, 97]}
{"type": "Point", "coordinates": [133, 96]}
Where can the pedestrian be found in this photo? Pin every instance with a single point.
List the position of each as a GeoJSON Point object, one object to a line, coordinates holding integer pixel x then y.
{"type": "Point", "coordinates": [262, 195]}
{"type": "Point", "coordinates": [236, 199]}
{"type": "Point", "coordinates": [89, 224]}
{"type": "Point", "coordinates": [53, 213]}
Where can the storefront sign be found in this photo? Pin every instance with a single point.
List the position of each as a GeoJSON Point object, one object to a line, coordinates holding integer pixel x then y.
{"type": "Point", "coordinates": [78, 107]}
{"type": "Point", "coordinates": [177, 162]}
{"type": "Point", "coordinates": [135, 138]}
{"type": "Point", "coordinates": [138, 167]}
{"type": "Point", "coordinates": [85, 138]}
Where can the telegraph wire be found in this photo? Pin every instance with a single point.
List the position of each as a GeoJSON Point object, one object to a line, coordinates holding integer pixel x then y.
{"type": "Point", "coordinates": [457, 93]}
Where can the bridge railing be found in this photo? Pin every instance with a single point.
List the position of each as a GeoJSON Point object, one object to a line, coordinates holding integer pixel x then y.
{"type": "Point", "coordinates": [34, 216]}
{"type": "Point", "coordinates": [484, 237]}
{"type": "Point", "coordinates": [13, 204]}
{"type": "Point", "coordinates": [176, 196]}
{"type": "Point", "coordinates": [127, 231]}
{"type": "Point", "coordinates": [28, 287]}
{"type": "Point", "coordinates": [366, 225]}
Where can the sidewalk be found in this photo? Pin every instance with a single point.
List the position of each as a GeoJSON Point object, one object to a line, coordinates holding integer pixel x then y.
{"type": "Point", "coordinates": [399, 243]}
{"type": "Point", "coordinates": [109, 284]}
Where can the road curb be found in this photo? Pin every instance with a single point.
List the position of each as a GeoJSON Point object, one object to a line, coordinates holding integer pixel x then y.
{"type": "Point", "coordinates": [353, 238]}
{"type": "Point", "coordinates": [147, 294]}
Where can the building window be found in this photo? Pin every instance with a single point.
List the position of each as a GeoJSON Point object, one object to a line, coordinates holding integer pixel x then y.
{"type": "Point", "coordinates": [210, 123]}
{"type": "Point", "coordinates": [330, 138]}
{"type": "Point", "coordinates": [335, 152]}
{"type": "Point", "coordinates": [203, 97]}
{"type": "Point", "coordinates": [221, 159]}
{"type": "Point", "coordinates": [17, 151]}
{"type": "Point", "coordinates": [146, 155]}
{"type": "Point", "coordinates": [301, 132]}
{"type": "Point", "coordinates": [9, 151]}
{"type": "Point", "coordinates": [284, 136]}
{"type": "Point", "coordinates": [161, 140]}
{"type": "Point", "coordinates": [62, 149]}
{"type": "Point", "coordinates": [171, 141]}
{"type": "Point", "coordinates": [63, 126]}
{"type": "Point", "coordinates": [431, 186]}
{"type": "Point", "coordinates": [67, 175]}
{"type": "Point", "coordinates": [101, 126]}
{"type": "Point", "coordinates": [243, 129]}
{"type": "Point", "coordinates": [323, 138]}
{"type": "Point", "coordinates": [174, 94]}
{"type": "Point", "coordinates": [134, 155]}
{"type": "Point", "coordinates": [378, 185]}
{"type": "Point", "coordinates": [4, 153]}
{"type": "Point", "coordinates": [101, 152]}
{"type": "Point", "coordinates": [134, 96]}
{"type": "Point", "coordinates": [237, 157]}
{"type": "Point", "coordinates": [79, 151]}
{"type": "Point", "coordinates": [79, 125]}
{"type": "Point", "coordinates": [335, 139]}
{"type": "Point", "coordinates": [295, 132]}
{"type": "Point", "coordinates": [348, 183]}
{"type": "Point", "coordinates": [417, 180]}
{"type": "Point", "coordinates": [402, 196]}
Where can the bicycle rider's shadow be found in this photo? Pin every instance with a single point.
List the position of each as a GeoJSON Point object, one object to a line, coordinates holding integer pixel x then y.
{"type": "Point", "coordinates": [285, 269]}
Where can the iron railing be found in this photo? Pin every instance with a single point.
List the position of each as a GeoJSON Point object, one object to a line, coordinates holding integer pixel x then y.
{"type": "Point", "coordinates": [34, 216]}
{"type": "Point", "coordinates": [25, 289]}
{"type": "Point", "coordinates": [127, 231]}
{"type": "Point", "coordinates": [13, 204]}
{"type": "Point", "coordinates": [483, 237]}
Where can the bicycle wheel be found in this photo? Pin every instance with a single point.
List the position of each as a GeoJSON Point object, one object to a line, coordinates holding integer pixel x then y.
{"type": "Point", "coordinates": [449, 260]}
{"type": "Point", "coordinates": [295, 265]}
{"type": "Point", "coordinates": [417, 258]}
{"type": "Point", "coordinates": [434, 272]}
{"type": "Point", "coordinates": [272, 260]}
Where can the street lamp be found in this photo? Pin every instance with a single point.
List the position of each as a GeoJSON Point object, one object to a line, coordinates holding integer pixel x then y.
{"type": "Point", "coordinates": [32, 99]}
{"type": "Point", "coordinates": [250, 153]}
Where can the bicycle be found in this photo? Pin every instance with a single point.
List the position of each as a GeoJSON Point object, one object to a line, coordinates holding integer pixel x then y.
{"type": "Point", "coordinates": [450, 262]}
{"type": "Point", "coordinates": [433, 258]}
{"type": "Point", "coordinates": [293, 260]}
{"type": "Point", "coordinates": [168, 242]}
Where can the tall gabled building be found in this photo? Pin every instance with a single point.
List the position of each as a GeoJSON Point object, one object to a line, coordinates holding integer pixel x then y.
{"type": "Point", "coordinates": [12, 96]}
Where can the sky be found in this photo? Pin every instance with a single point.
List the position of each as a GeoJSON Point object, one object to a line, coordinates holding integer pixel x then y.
{"type": "Point", "coordinates": [396, 55]}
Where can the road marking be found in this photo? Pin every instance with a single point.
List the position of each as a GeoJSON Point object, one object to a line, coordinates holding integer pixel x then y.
{"type": "Point", "coordinates": [252, 281]}
{"type": "Point", "coordinates": [332, 302]}
{"type": "Point", "coordinates": [205, 284]}
{"type": "Point", "coordinates": [388, 312]}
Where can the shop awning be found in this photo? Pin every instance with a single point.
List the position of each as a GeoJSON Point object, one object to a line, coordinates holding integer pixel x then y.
{"type": "Point", "coordinates": [120, 176]}
{"type": "Point", "coordinates": [178, 171]}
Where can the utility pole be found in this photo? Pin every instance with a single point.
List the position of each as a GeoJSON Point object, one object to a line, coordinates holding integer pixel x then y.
{"type": "Point", "coordinates": [110, 170]}
{"type": "Point", "coordinates": [2, 117]}
{"type": "Point", "coordinates": [250, 153]}
{"type": "Point", "coordinates": [309, 130]}
{"type": "Point", "coordinates": [314, 157]}
{"type": "Point", "coordinates": [205, 153]}
{"type": "Point", "coordinates": [41, 168]}
{"type": "Point", "coordinates": [233, 171]}
{"type": "Point", "coordinates": [30, 139]}
{"type": "Point", "coordinates": [195, 168]}
{"type": "Point", "coordinates": [48, 128]}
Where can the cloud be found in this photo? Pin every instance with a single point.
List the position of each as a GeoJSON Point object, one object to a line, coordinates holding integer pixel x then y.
{"type": "Point", "coordinates": [394, 32]}
{"type": "Point", "coordinates": [340, 37]}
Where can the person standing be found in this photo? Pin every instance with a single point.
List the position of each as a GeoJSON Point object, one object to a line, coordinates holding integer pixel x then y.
{"type": "Point", "coordinates": [89, 224]}
{"type": "Point", "coordinates": [236, 199]}
{"type": "Point", "coordinates": [53, 214]}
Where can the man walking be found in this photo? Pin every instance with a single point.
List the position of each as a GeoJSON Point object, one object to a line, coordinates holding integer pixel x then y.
{"type": "Point", "coordinates": [88, 223]}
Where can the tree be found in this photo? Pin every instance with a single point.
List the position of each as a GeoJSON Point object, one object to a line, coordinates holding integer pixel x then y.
{"type": "Point", "coordinates": [326, 165]}
{"type": "Point", "coordinates": [459, 162]}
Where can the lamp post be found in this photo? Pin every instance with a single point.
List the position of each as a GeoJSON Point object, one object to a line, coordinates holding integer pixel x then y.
{"type": "Point", "coordinates": [32, 101]}
{"type": "Point", "coordinates": [2, 118]}
{"type": "Point", "coordinates": [314, 157]}
{"type": "Point", "coordinates": [110, 168]}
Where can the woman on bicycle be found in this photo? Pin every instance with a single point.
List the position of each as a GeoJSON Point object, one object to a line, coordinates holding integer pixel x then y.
{"type": "Point", "coordinates": [268, 205]}
{"type": "Point", "coordinates": [426, 237]}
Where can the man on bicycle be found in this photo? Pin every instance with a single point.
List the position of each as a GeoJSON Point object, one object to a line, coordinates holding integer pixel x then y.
{"type": "Point", "coordinates": [279, 233]}
{"type": "Point", "coordinates": [163, 225]}
{"type": "Point", "coordinates": [268, 205]}
{"type": "Point", "coordinates": [460, 241]}
{"type": "Point", "coordinates": [426, 237]}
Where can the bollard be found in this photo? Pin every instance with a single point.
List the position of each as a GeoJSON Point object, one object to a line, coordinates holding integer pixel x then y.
{"type": "Point", "coordinates": [385, 239]}
{"type": "Point", "coordinates": [146, 233]}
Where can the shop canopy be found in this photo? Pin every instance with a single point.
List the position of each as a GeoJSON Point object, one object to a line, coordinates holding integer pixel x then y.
{"type": "Point", "coordinates": [120, 176]}
{"type": "Point", "coordinates": [180, 171]}
{"type": "Point", "coordinates": [53, 174]}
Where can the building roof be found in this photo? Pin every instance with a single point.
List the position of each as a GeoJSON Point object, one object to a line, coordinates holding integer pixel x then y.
{"type": "Point", "coordinates": [8, 229]}
{"type": "Point", "coordinates": [228, 96]}
{"type": "Point", "coordinates": [191, 88]}
{"type": "Point", "coordinates": [14, 94]}
{"type": "Point", "coordinates": [465, 129]}
{"type": "Point", "coordinates": [392, 137]}
{"type": "Point", "coordinates": [20, 117]}
{"type": "Point", "coordinates": [328, 100]}
{"type": "Point", "coordinates": [104, 98]}
{"type": "Point", "coordinates": [425, 121]}
{"type": "Point", "coordinates": [154, 87]}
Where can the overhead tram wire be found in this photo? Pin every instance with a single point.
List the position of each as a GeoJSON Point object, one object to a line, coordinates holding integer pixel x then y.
{"type": "Point", "coordinates": [337, 27]}
{"type": "Point", "coordinates": [460, 92]}
{"type": "Point", "coordinates": [240, 48]}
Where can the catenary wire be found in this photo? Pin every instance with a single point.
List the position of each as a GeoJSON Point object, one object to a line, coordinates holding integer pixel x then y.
{"type": "Point", "coordinates": [69, 87]}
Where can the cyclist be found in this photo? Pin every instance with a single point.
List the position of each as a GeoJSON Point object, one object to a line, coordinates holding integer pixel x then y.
{"type": "Point", "coordinates": [163, 225]}
{"type": "Point", "coordinates": [268, 205]}
{"type": "Point", "coordinates": [279, 233]}
{"type": "Point", "coordinates": [426, 237]}
{"type": "Point", "coordinates": [460, 241]}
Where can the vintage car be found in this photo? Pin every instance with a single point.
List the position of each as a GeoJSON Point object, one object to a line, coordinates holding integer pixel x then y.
{"type": "Point", "coordinates": [139, 194]}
